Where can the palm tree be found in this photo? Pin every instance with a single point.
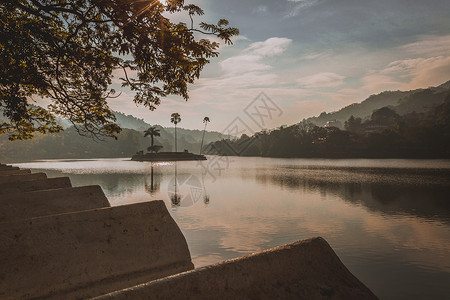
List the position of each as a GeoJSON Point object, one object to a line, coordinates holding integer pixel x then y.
{"type": "Point", "coordinates": [175, 119]}
{"type": "Point", "coordinates": [152, 132]}
{"type": "Point", "coordinates": [205, 120]}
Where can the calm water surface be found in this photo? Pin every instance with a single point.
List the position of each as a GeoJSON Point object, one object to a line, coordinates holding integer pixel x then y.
{"type": "Point", "coordinates": [388, 220]}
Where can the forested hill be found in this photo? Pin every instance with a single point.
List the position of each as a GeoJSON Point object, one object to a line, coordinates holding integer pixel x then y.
{"type": "Point", "coordinates": [385, 134]}
{"type": "Point", "coordinates": [402, 102]}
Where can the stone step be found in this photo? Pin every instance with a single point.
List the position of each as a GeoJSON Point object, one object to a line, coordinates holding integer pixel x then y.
{"type": "Point", "coordinates": [90, 253]}
{"type": "Point", "coordinates": [22, 177]}
{"type": "Point", "coordinates": [34, 185]}
{"type": "Point", "coordinates": [5, 167]}
{"type": "Point", "coordinates": [306, 269]}
{"type": "Point", "coordinates": [14, 172]}
{"type": "Point", "coordinates": [50, 202]}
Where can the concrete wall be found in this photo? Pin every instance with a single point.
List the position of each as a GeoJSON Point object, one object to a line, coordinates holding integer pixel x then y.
{"type": "Point", "coordinates": [22, 177]}
{"type": "Point", "coordinates": [303, 270]}
{"type": "Point", "coordinates": [89, 253]}
{"type": "Point", "coordinates": [50, 202]}
{"type": "Point", "coordinates": [34, 185]}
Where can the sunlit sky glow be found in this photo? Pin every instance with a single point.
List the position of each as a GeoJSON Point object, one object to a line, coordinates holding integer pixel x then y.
{"type": "Point", "coordinates": [311, 56]}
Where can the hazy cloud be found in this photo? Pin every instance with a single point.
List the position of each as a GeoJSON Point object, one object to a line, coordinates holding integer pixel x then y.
{"type": "Point", "coordinates": [430, 46]}
{"type": "Point", "coordinates": [251, 59]}
{"type": "Point", "coordinates": [261, 10]}
{"type": "Point", "coordinates": [299, 6]}
{"type": "Point", "coordinates": [321, 80]}
{"type": "Point", "coordinates": [270, 47]}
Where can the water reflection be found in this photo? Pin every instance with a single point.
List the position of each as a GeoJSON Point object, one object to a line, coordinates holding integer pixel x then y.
{"type": "Point", "coordinates": [175, 198]}
{"type": "Point", "coordinates": [421, 193]}
{"type": "Point", "coordinates": [185, 189]}
{"type": "Point", "coordinates": [205, 194]}
{"type": "Point", "coordinates": [155, 182]}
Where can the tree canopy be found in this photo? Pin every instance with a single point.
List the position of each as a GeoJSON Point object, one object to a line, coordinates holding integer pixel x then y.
{"type": "Point", "coordinates": [67, 51]}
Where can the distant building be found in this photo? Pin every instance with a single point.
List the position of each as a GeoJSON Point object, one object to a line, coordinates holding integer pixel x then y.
{"type": "Point", "coordinates": [333, 123]}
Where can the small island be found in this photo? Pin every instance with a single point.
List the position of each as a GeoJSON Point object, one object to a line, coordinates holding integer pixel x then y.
{"type": "Point", "coordinates": [167, 156]}
{"type": "Point", "coordinates": [155, 155]}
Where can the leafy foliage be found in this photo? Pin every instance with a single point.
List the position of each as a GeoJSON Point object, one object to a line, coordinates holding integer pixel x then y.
{"type": "Point", "coordinates": [152, 132]}
{"type": "Point", "coordinates": [66, 51]}
{"type": "Point", "coordinates": [175, 118]}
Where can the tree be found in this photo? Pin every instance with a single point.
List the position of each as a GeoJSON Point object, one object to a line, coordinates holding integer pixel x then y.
{"type": "Point", "coordinates": [152, 132]}
{"type": "Point", "coordinates": [205, 120]}
{"type": "Point", "coordinates": [385, 116]}
{"type": "Point", "coordinates": [67, 51]}
{"type": "Point", "coordinates": [175, 119]}
{"type": "Point", "coordinates": [354, 125]}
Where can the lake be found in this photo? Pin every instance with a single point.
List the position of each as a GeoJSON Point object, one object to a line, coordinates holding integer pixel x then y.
{"type": "Point", "coordinates": [388, 220]}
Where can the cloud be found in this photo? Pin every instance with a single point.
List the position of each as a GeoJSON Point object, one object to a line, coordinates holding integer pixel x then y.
{"type": "Point", "coordinates": [270, 47]}
{"type": "Point", "coordinates": [429, 46]}
{"type": "Point", "coordinates": [321, 80]}
{"type": "Point", "coordinates": [420, 72]}
{"type": "Point", "coordinates": [243, 63]}
{"type": "Point", "coordinates": [299, 6]}
{"type": "Point", "coordinates": [251, 58]}
{"type": "Point", "coordinates": [260, 10]}
{"type": "Point", "coordinates": [315, 56]}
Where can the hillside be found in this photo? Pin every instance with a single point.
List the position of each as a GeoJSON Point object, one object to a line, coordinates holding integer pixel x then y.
{"type": "Point", "coordinates": [68, 144]}
{"type": "Point", "coordinates": [403, 102]}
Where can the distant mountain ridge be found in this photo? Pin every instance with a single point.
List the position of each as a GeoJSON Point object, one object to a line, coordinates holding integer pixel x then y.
{"type": "Point", "coordinates": [403, 102]}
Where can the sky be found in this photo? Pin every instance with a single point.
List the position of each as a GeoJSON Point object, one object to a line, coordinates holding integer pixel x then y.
{"type": "Point", "coordinates": [297, 58]}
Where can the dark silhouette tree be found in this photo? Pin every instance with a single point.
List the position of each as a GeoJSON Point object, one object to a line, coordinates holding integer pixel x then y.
{"type": "Point", "coordinates": [385, 116]}
{"type": "Point", "coordinates": [354, 125]}
{"type": "Point", "coordinates": [205, 120]}
{"type": "Point", "coordinates": [175, 119]}
{"type": "Point", "coordinates": [67, 52]}
{"type": "Point", "coordinates": [152, 132]}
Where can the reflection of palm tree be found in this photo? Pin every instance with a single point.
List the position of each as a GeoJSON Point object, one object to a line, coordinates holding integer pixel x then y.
{"type": "Point", "coordinates": [154, 182]}
{"type": "Point", "coordinates": [205, 120]}
{"type": "Point", "coordinates": [175, 119]}
{"type": "Point", "coordinates": [205, 195]}
{"type": "Point", "coordinates": [175, 198]}
{"type": "Point", "coordinates": [152, 132]}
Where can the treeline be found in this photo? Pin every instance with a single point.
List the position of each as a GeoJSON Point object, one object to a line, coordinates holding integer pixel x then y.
{"type": "Point", "coordinates": [69, 144]}
{"type": "Point", "coordinates": [384, 135]}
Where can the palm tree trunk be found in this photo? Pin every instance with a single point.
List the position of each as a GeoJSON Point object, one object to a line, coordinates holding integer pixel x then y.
{"type": "Point", "coordinates": [176, 138]}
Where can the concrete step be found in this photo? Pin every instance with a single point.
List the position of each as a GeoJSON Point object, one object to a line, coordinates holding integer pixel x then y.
{"type": "Point", "coordinates": [90, 253]}
{"type": "Point", "coordinates": [5, 167]}
{"type": "Point", "coordinates": [14, 172]}
{"type": "Point", "coordinates": [22, 177]}
{"type": "Point", "coordinates": [50, 202]}
{"type": "Point", "coordinates": [34, 185]}
{"type": "Point", "coordinates": [306, 269]}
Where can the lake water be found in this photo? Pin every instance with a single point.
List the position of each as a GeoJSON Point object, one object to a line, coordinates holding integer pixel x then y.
{"type": "Point", "coordinates": [388, 220]}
